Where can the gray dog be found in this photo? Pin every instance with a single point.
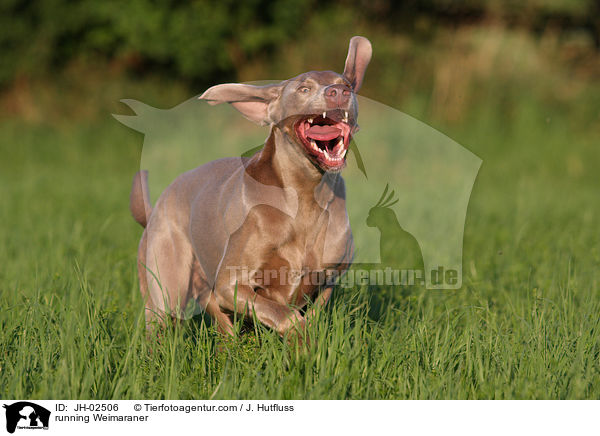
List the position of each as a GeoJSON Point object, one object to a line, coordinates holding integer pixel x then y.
{"type": "Point", "coordinates": [258, 236]}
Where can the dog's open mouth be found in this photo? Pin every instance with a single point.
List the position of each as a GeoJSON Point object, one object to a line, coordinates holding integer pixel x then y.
{"type": "Point", "coordinates": [325, 139]}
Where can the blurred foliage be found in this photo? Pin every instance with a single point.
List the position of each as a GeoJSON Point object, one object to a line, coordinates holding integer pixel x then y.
{"type": "Point", "coordinates": [200, 39]}
{"type": "Point", "coordinates": [205, 41]}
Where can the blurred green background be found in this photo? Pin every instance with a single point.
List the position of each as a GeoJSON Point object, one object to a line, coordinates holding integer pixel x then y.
{"type": "Point", "coordinates": [515, 82]}
{"type": "Point", "coordinates": [441, 59]}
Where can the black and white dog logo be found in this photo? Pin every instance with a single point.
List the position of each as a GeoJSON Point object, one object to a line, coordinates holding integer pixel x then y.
{"type": "Point", "coordinates": [26, 415]}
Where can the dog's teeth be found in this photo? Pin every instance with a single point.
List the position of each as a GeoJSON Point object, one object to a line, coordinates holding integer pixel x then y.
{"type": "Point", "coordinates": [313, 144]}
{"type": "Point", "coordinates": [338, 146]}
{"type": "Point", "coordinates": [343, 154]}
{"type": "Point", "coordinates": [324, 114]}
{"type": "Point", "coordinates": [310, 120]}
{"type": "Point", "coordinates": [346, 116]}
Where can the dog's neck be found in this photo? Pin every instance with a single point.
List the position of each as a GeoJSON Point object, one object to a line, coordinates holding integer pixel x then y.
{"type": "Point", "coordinates": [282, 163]}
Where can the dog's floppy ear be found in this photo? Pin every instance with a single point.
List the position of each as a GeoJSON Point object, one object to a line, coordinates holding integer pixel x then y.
{"type": "Point", "coordinates": [254, 102]}
{"type": "Point", "coordinates": [359, 55]}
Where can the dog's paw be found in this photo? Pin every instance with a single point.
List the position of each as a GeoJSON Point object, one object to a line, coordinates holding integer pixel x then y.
{"type": "Point", "coordinates": [294, 329]}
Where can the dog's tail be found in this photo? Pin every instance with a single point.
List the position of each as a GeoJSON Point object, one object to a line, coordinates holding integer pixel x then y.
{"type": "Point", "coordinates": [139, 200]}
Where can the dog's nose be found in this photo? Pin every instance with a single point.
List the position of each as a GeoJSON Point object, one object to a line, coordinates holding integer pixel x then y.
{"type": "Point", "coordinates": [337, 96]}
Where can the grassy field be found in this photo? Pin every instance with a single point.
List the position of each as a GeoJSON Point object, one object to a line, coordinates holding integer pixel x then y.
{"type": "Point", "coordinates": [524, 325]}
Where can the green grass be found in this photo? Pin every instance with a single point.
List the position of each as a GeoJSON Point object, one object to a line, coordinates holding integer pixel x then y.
{"type": "Point", "coordinates": [524, 325]}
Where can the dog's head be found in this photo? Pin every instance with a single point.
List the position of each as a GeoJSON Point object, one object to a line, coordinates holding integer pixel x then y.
{"type": "Point", "coordinates": [318, 110]}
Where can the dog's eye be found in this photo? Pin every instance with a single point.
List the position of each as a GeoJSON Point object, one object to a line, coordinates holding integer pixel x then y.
{"type": "Point", "coordinates": [304, 89]}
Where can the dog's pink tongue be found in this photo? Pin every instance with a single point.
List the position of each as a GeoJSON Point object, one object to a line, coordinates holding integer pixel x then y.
{"type": "Point", "coordinates": [323, 133]}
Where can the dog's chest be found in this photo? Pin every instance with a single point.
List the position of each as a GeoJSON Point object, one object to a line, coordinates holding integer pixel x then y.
{"type": "Point", "coordinates": [300, 261]}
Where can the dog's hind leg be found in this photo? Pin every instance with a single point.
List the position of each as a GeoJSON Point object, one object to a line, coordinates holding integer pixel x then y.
{"type": "Point", "coordinates": [205, 298]}
{"type": "Point", "coordinates": [168, 259]}
{"type": "Point", "coordinates": [151, 312]}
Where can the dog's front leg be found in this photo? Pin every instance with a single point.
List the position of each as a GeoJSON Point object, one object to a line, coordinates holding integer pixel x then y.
{"type": "Point", "coordinates": [244, 300]}
{"type": "Point", "coordinates": [319, 303]}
